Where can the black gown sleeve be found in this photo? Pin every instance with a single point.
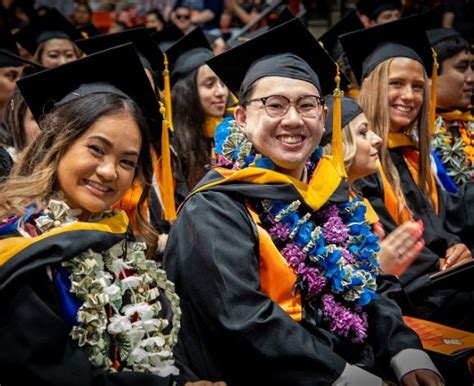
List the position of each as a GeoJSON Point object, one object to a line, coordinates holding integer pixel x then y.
{"type": "Point", "coordinates": [460, 214]}
{"type": "Point", "coordinates": [416, 278]}
{"type": "Point", "coordinates": [231, 330]}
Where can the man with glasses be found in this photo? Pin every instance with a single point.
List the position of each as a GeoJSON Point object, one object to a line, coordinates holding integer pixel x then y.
{"type": "Point", "coordinates": [274, 265]}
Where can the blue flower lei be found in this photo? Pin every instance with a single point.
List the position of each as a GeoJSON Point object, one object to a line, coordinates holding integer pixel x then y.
{"type": "Point", "coordinates": [333, 251]}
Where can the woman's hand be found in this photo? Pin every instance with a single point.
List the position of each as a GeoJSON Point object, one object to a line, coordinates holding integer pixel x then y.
{"type": "Point", "coordinates": [400, 248]}
{"type": "Point", "coordinates": [457, 254]}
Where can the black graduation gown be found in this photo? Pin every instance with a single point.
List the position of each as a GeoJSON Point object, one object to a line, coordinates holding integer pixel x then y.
{"type": "Point", "coordinates": [447, 306]}
{"type": "Point", "coordinates": [230, 329]}
{"type": "Point", "coordinates": [36, 348]}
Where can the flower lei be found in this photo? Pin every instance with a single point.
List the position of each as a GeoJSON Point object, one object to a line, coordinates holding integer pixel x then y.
{"type": "Point", "coordinates": [118, 322]}
{"type": "Point", "coordinates": [455, 153]}
{"type": "Point", "coordinates": [333, 251]}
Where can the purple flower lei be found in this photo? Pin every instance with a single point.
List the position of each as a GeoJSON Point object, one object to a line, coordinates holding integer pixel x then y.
{"type": "Point", "coordinates": [333, 252]}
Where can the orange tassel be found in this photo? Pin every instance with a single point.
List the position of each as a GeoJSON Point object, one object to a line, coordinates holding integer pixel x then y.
{"type": "Point", "coordinates": [434, 85]}
{"type": "Point", "coordinates": [337, 151]}
{"type": "Point", "coordinates": [164, 173]}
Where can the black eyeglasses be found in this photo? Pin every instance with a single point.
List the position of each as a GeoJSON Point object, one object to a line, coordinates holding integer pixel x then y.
{"type": "Point", "coordinates": [276, 106]}
{"type": "Point", "coordinates": [183, 17]}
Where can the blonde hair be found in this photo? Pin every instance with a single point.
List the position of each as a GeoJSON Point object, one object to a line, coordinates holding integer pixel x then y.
{"type": "Point", "coordinates": [348, 146]}
{"type": "Point", "coordinates": [373, 99]}
{"type": "Point", "coordinates": [34, 177]}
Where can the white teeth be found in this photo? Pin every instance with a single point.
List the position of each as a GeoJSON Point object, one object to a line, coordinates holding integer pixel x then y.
{"type": "Point", "coordinates": [404, 109]}
{"type": "Point", "coordinates": [291, 140]}
{"type": "Point", "coordinates": [98, 186]}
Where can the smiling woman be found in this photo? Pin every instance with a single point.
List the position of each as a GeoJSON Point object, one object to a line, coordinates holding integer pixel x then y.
{"type": "Point", "coordinates": [73, 279]}
{"type": "Point", "coordinates": [199, 100]}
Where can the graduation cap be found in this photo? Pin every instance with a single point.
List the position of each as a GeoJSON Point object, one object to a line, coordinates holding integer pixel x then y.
{"type": "Point", "coordinates": [365, 49]}
{"type": "Point", "coordinates": [373, 8]}
{"type": "Point", "coordinates": [188, 53]}
{"type": "Point", "coordinates": [167, 36]}
{"type": "Point", "coordinates": [94, 74]}
{"type": "Point", "coordinates": [350, 109]}
{"type": "Point", "coordinates": [439, 34]}
{"type": "Point", "coordinates": [433, 17]}
{"type": "Point", "coordinates": [51, 25]}
{"type": "Point", "coordinates": [276, 54]}
{"type": "Point", "coordinates": [9, 56]}
{"type": "Point", "coordinates": [148, 51]}
{"type": "Point", "coordinates": [330, 39]}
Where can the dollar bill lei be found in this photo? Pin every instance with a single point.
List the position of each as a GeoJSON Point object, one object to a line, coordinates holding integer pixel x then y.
{"type": "Point", "coordinates": [114, 301]}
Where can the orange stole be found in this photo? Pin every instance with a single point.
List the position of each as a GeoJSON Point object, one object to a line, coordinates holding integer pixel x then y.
{"type": "Point", "coordinates": [277, 279]}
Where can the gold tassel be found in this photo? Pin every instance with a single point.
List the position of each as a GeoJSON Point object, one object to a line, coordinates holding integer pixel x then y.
{"type": "Point", "coordinates": [163, 171]}
{"type": "Point", "coordinates": [434, 85]}
{"type": "Point", "coordinates": [337, 151]}
{"type": "Point", "coordinates": [167, 93]}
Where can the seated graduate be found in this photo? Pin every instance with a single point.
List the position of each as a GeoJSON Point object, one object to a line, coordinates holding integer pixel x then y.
{"type": "Point", "coordinates": [361, 148]}
{"type": "Point", "coordinates": [81, 302]}
{"type": "Point", "coordinates": [274, 264]}
{"type": "Point", "coordinates": [453, 134]}
{"type": "Point", "coordinates": [198, 100]}
{"type": "Point", "coordinates": [49, 38]}
{"type": "Point", "coordinates": [392, 64]}
{"type": "Point", "coordinates": [12, 139]}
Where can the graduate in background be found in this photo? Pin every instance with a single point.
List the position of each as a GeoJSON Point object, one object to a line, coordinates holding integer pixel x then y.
{"type": "Point", "coordinates": [392, 65]}
{"type": "Point", "coordinates": [199, 101]}
{"type": "Point", "coordinates": [377, 12]}
{"type": "Point", "coordinates": [16, 128]}
{"type": "Point", "coordinates": [453, 140]}
{"type": "Point", "coordinates": [273, 291]}
{"type": "Point", "coordinates": [50, 39]}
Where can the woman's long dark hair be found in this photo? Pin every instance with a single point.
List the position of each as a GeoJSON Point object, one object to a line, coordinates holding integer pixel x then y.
{"type": "Point", "coordinates": [188, 119]}
{"type": "Point", "coordinates": [34, 177]}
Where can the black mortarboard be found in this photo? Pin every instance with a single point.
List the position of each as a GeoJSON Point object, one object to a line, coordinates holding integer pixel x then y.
{"type": "Point", "coordinates": [51, 25]}
{"type": "Point", "coordinates": [433, 17]}
{"type": "Point", "coordinates": [9, 56]}
{"type": "Point", "coordinates": [330, 39]}
{"type": "Point", "coordinates": [365, 49]}
{"type": "Point", "coordinates": [350, 109]}
{"type": "Point", "coordinates": [149, 52]}
{"type": "Point", "coordinates": [96, 73]}
{"type": "Point", "coordinates": [373, 8]}
{"type": "Point", "coordinates": [167, 36]}
{"type": "Point", "coordinates": [188, 53]}
{"type": "Point", "coordinates": [288, 50]}
{"type": "Point", "coordinates": [439, 34]}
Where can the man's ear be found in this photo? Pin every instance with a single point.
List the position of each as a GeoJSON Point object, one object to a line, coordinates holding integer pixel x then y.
{"type": "Point", "coordinates": [240, 115]}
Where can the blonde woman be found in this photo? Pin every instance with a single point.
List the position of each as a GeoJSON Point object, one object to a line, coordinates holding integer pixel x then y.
{"type": "Point", "coordinates": [395, 98]}
{"type": "Point", "coordinates": [361, 158]}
